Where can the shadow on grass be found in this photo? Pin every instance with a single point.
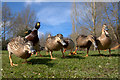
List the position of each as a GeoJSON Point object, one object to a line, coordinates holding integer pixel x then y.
{"type": "Point", "coordinates": [80, 53]}
{"type": "Point", "coordinates": [43, 56]}
{"type": "Point", "coordinates": [114, 55]}
{"type": "Point", "coordinates": [74, 56]}
{"type": "Point", "coordinates": [41, 61]}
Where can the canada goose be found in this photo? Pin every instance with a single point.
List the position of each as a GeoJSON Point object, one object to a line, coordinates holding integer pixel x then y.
{"type": "Point", "coordinates": [104, 41]}
{"type": "Point", "coordinates": [33, 36]}
{"type": "Point", "coordinates": [21, 48]}
{"type": "Point", "coordinates": [69, 45]}
{"type": "Point", "coordinates": [54, 43]}
{"type": "Point", "coordinates": [83, 41]}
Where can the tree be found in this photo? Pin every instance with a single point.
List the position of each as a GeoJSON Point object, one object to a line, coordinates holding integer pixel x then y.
{"type": "Point", "coordinates": [84, 19]}
{"type": "Point", "coordinates": [6, 24]}
{"type": "Point", "coordinates": [43, 39]}
{"type": "Point", "coordinates": [24, 20]}
{"type": "Point", "coordinates": [111, 11]}
{"type": "Point", "coordinates": [17, 25]}
{"type": "Point", "coordinates": [6, 20]}
{"type": "Point", "coordinates": [88, 18]}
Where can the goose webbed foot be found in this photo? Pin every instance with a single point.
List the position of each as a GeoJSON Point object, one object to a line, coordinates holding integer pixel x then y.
{"type": "Point", "coordinates": [86, 55]}
{"type": "Point", "coordinates": [74, 53]}
{"type": "Point", "coordinates": [12, 64]}
{"type": "Point", "coordinates": [53, 58]}
{"type": "Point", "coordinates": [15, 64]}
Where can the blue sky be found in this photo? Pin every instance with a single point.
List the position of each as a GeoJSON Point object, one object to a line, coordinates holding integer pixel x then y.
{"type": "Point", "coordinates": [55, 17]}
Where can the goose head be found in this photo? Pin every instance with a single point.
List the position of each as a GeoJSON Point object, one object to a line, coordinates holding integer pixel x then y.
{"type": "Point", "coordinates": [60, 36]}
{"type": "Point", "coordinates": [59, 39]}
{"type": "Point", "coordinates": [27, 32]}
{"type": "Point", "coordinates": [105, 30]}
{"type": "Point", "coordinates": [93, 40]}
{"type": "Point", "coordinates": [37, 26]}
{"type": "Point", "coordinates": [49, 35]}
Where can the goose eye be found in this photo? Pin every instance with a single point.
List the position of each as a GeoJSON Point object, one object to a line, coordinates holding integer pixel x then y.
{"type": "Point", "coordinates": [92, 37]}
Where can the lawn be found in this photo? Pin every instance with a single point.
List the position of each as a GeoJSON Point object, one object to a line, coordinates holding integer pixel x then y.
{"type": "Point", "coordinates": [73, 66]}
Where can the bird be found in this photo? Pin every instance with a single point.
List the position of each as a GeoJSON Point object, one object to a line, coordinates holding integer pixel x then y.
{"type": "Point", "coordinates": [54, 43]}
{"type": "Point", "coordinates": [20, 47]}
{"type": "Point", "coordinates": [83, 41]}
{"type": "Point", "coordinates": [69, 45]}
{"type": "Point", "coordinates": [33, 37]}
{"type": "Point", "coordinates": [27, 32]}
{"type": "Point", "coordinates": [104, 41]}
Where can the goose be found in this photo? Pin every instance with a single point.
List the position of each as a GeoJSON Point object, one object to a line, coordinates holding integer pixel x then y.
{"type": "Point", "coordinates": [54, 43]}
{"type": "Point", "coordinates": [20, 47]}
{"type": "Point", "coordinates": [104, 41]}
{"type": "Point", "coordinates": [69, 45]}
{"type": "Point", "coordinates": [83, 41]}
{"type": "Point", "coordinates": [33, 37]}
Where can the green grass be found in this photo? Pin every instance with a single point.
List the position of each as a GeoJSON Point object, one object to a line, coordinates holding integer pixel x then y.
{"type": "Point", "coordinates": [74, 66]}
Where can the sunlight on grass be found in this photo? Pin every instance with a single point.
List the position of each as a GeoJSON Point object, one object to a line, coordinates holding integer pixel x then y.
{"type": "Point", "coordinates": [73, 66]}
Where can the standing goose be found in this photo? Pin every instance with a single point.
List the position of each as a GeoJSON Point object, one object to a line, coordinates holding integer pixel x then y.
{"type": "Point", "coordinates": [83, 41]}
{"type": "Point", "coordinates": [21, 48]}
{"type": "Point", "coordinates": [49, 35]}
{"type": "Point", "coordinates": [33, 37]}
{"type": "Point", "coordinates": [104, 41]}
{"type": "Point", "coordinates": [69, 45]}
{"type": "Point", "coordinates": [54, 43]}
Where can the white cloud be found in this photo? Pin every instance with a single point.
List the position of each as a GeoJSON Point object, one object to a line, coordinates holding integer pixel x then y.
{"type": "Point", "coordinates": [29, 2]}
{"type": "Point", "coordinates": [54, 15]}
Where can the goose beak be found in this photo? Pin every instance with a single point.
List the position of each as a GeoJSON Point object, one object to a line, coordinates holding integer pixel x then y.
{"type": "Point", "coordinates": [26, 32]}
{"type": "Point", "coordinates": [106, 31]}
{"type": "Point", "coordinates": [33, 51]}
{"type": "Point", "coordinates": [63, 43]}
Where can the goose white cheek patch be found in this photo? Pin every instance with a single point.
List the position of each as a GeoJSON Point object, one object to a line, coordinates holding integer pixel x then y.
{"type": "Point", "coordinates": [95, 44]}
{"type": "Point", "coordinates": [106, 32]}
{"type": "Point", "coordinates": [63, 43]}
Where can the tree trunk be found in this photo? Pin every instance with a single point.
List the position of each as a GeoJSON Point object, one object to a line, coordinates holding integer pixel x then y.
{"type": "Point", "coordinates": [93, 6]}
{"type": "Point", "coordinates": [4, 31]}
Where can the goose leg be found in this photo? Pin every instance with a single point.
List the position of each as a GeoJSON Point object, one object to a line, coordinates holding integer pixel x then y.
{"type": "Point", "coordinates": [71, 52]}
{"type": "Point", "coordinates": [62, 53]}
{"type": "Point", "coordinates": [11, 63]}
{"type": "Point", "coordinates": [87, 52]}
{"type": "Point", "coordinates": [36, 54]}
{"type": "Point", "coordinates": [109, 52]}
{"type": "Point", "coordinates": [51, 55]}
{"type": "Point", "coordinates": [75, 50]}
{"type": "Point", "coordinates": [99, 52]}
{"type": "Point", "coordinates": [40, 54]}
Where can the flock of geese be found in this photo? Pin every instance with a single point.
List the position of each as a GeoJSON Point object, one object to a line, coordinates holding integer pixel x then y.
{"type": "Point", "coordinates": [24, 47]}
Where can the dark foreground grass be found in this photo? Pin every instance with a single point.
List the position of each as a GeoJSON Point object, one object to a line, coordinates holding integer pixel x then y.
{"type": "Point", "coordinates": [74, 66]}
